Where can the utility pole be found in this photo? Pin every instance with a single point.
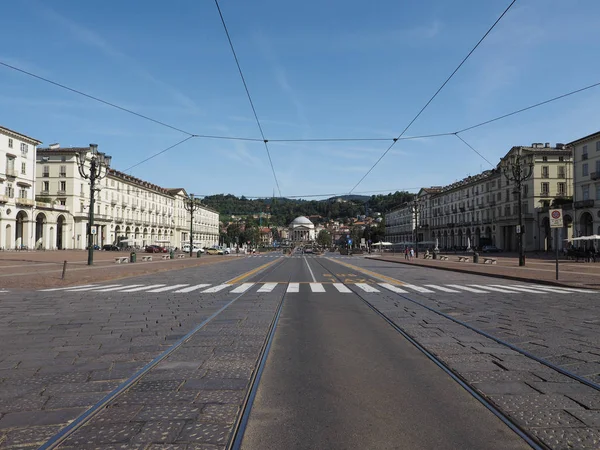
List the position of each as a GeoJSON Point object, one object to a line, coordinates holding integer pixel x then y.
{"type": "Point", "coordinates": [191, 204]}
{"type": "Point", "coordinates": [98, 162]}
{"type": "Point", "coordinates": [518, 168]}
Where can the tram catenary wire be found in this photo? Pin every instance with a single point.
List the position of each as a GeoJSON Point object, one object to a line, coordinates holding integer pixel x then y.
{"type": "Point", "coordinates": [57, 439]}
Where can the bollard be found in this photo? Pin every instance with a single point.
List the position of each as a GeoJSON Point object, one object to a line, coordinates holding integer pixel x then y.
{"type": "Point", "coordinates": [132, 257]}
{"type": "Point", "coordinates": [172, 254]}
{"type": "Point", "coordinates": [476, 257]}
{"type": "Point", "coordinates": [64, 270]}
{"type": "Point", "coordinates": [198, 253]}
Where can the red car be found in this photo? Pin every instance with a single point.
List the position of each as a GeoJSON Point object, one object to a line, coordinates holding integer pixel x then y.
{"type": "Point", "coordinates": [154, 249]}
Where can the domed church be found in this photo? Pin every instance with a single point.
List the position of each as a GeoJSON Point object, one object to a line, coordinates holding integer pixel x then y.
{"type": "Point", "coordinates": [301, 230]}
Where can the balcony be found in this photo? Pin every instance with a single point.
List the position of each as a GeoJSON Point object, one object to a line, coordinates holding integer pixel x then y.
{"type": "Point", "coordinates": [61, 192]}
{"type": "Point", "coordinates": [595, 175]}
{"type": "Point", "coordinates": [584, 203]}
{"type": "Point", "coordinates": [11, 173]}
{"type": "Point", "coordinates": [24, 201]}
{"type": "Point", "coordinates": [46, 175]}
{"type": "Point", "coordinates": [3, 199]}
{"type": "Point", "coordinates": [584, 157]}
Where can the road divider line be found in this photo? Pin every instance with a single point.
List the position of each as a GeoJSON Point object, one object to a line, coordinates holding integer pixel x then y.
{"type": "Point", "coordinates": [370, 273]}
{"type": "Point", "coordinates": [310, 270]}
{"type": "Point", "coordinates": [252, 272]}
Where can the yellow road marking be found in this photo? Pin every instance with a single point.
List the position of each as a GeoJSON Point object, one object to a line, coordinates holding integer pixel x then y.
{"type": "Point", "coordinates": [370, 273]}
{"type": "Point", "coordinates": [250, 273]}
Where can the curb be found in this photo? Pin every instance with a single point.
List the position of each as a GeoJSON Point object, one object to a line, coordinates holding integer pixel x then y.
{"type": "Point", "coordinates": [494, 275]}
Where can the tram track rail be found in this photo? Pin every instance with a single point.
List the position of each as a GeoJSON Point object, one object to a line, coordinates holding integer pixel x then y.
{"type": "Point", "coordinates": [517, 428]}
{"type": "Point", "coordinates": [62, 435]}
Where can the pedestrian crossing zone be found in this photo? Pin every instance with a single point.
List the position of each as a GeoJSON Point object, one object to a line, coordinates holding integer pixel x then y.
{"type": "Point", "coordinates": [344, 288]}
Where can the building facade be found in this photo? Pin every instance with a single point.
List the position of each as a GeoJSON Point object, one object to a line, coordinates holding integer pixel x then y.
{"type": "Point", "coordinates": [301, 230]}
{"type": "Point", "coordinates": [586, 175]}
{"type": "Point", "coordinates": [128, 211]}
{"type": "Point", "coordinates": [483, 209]}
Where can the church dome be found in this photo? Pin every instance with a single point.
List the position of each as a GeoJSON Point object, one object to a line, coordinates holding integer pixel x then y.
{"type": "Point", "coordinates": [303, 221]}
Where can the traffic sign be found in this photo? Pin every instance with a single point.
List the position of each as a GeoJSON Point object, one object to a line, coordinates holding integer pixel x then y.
{"type": "Point", "coordinates": [556, 218]}
{"type": "Point", "coordinates": [349, 241]}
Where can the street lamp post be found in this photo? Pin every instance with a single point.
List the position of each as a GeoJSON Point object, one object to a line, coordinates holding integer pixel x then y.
{"type": "Point", "coordinates": [191, 204]}
{"type": "Point", "coordinates": [95, 172]}
{"type": "Point", "coordinates": [518, 168]}
{"type": "Point", "coordinates": [416, 213]}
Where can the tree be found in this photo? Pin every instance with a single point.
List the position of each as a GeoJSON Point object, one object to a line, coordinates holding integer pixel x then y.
{"type": "Point", "coordinates": [324, 238]}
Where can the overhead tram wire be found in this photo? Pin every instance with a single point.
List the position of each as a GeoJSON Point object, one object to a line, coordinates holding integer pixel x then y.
{"type": "Point", "coordinates": [248, 94]}
{"type": "Point", "coordinates": [434, 95]}
{"type": "Point", "coordinates": [339, 194]}
{"type": "Point", "coordinates": [159, 153]}
{"type": "Point", "coordinates": [471, 147]}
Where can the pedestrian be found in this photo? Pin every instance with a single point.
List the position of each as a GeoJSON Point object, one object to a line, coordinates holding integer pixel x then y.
{"type": "Point", "coordinates": [412, 253]}
{"type": "Point", "coordinates": [406, 253]}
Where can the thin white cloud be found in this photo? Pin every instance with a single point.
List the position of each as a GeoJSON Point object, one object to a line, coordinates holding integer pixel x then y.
{"type": "Point", "coordinates": [88, 37]}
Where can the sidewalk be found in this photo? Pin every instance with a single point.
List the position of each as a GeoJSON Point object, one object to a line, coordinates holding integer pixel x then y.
{"type": "Point", "coordinates": [539, 269]}
{"type": "Point", "coordinates": [43, 269]}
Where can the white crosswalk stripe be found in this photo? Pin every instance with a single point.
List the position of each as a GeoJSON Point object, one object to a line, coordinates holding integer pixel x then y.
{"type": "Point", "coordinates": [191, 288]}
{"type": "Point", "coordinates": [497, 289]}
{"type": "Point", "coordinates": [418, 288]}
{"type": "Point", "coordinates": [142, 288]}
{"type": "Point", "coordinates": [342, 288]}
{"type": "Point", "coordinates": [118, 288]}
{"type": "Point", "coordinates": [393, 288]}
{"type": "Point", "coordinates": [218, 288]}
{"type": "Point", "coordinates": [441, 288]}
{"type": "Point", "coordinates": [67, 288]}
{"type": "Point", "coordinates": [267, 287]}
{"type": "Point", "coordinates": [521, 289]}
{"type": "Point", "coordinates": [366, 287]}
{"type": "Point", "coordinates": [169, 288]}
{"type": "Point", "coordinates": [317, 287]}
{"type": "Point", "coordinates": [293, 288]}
{"type": "Point", "coordinates": [93, 288]}
{"type": "Point", "coordinates": [560, 289]}
{"type": "Point", "coordinates": [468, 289]}
{"type": "Point", "coordinates": [242, 288]}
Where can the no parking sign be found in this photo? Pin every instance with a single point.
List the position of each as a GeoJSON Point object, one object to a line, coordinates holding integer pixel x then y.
{"type": "Point", "coordinates": [556, 218]}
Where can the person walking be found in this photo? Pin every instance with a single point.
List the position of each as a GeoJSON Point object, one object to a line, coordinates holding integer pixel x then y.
{"type": "Point", "coordinates": [406, 253]}
{"type": "Point", "coordinates": [412, 253]}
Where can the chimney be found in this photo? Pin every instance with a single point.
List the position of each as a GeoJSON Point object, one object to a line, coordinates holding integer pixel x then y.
{"type": "Point", "coordinates": [547, 145]}
{"type": "Point", "coordinates": [560, 146]}
{"type": "Point", "coordinates": [54, 146]}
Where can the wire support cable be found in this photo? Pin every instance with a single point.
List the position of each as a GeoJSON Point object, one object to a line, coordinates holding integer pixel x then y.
{"type": "Point", "coordinates": [434, 95]}
{"type": "Point", "coordinates": [237, 62]}
{"type": "Point", "coordinates": [160, 153]}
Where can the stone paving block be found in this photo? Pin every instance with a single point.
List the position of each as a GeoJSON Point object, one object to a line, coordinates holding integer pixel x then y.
{"type": "Point", "coordinates": [179, 374]}
{"type": "Point", "coordinates": [473, 367]}
{"type": "Point", "coordinates": [85, 399]}
{"type": "Point", "coordinates": [108, 375]}
{"type": "Point", "coordinates": [589, 418]}
{"type": "Point", "coordinates": [533, 401]}
{"type": "Point", "coordinates": [157, 385]}
{"type": "Point", "coordinates": [159, 432]}
{"type": "Point", "coordinates": [178, 365]}
{"type": "Point", "coordinates": [122, 446]}
{"type": "Point", "coordinates": [242, 373]}
{"type": "Point", "coordinates": [223, 396]}
{"type": "Point", "coordinates": [31, 402]}
{"type": "Point", "coordinates": [504, 387]}
{"type": "Point", "coordinates": [219, 413]}
{"type": "Point", "coordinates": [168, 412]}
{"type": "Point", "coordinates": [549, 375]}
{"type": "Point", "coordinates": [568, 389]}
{"type": "Point", "coordinates": [584, 369]}
{"type": "Point", "coordinates": [35, 418]}
{"type": "Point", "coordinates": [215, 384]}
{"type": "Point", "coordinates": [536, 418]}
{"type": "Point", "coordinates": [90, 386]}
{"type": "Point", "coordinates": [93, 435]}
{"type": "Point", "coordinates": [10, 390]}
{"type": "Point", "coordinates": [569, 439]}
{"type": "Point", "coordinates": [116, 413]}
{"type": "Point", "coordinates": [156, 397]}
{"type": "Point", "coordinates": [65, 377]}
{"type": "Point", "coordinates": [208, 433]}
{"type": "Point", "coordinates": [34, 436]}
{"type": "Point", "coordinates": [500, 375]}
{"type": "Point", "coordinates": [589, 398]}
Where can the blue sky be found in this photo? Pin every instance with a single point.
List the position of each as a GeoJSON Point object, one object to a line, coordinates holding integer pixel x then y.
{"type": "Point", "coordinates": [315, 69]}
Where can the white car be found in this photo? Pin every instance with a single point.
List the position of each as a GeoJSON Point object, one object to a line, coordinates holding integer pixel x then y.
{"type": "Point", "coordinates": [186, 249]}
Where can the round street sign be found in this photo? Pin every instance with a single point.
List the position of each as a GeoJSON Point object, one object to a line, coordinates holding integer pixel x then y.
{"type": "Point", "coordinates": [556, 220]}
{"type": "Point", "coordinates": [556, 214]}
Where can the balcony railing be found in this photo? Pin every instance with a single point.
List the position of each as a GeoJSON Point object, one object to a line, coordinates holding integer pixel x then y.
{"type": "Point", "coordinates": [3, 199]}
{"type": "Point", "coordinates": [584, 203]}
{"type": "Point", "coordinates": [595, 175]}
{"type": "Point", "coordinates": [24, 201]}
{"type": "Point", "coordinates": [11, 173]}
{"type": "Point", "coordinates": [584, 157]}
{"type": "Point", "coordinates": [61, 192]}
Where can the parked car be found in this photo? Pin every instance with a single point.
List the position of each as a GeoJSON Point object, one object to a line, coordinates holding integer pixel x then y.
{"type": "Point", "coordinates": [213, 251]}
{"type": "Point", "coordinates": [95, 246]}
{"type": "Point", "coordinates": [154, 249]}
{"type": "Point", "coordinates": [491, 249]}
{"type": "Point", "coordinates": [110, 248]}
{"type": "Point", "coordinates": [186, 249]}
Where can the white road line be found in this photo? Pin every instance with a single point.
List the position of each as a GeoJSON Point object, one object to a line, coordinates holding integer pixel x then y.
{"type": "Point", "coordinates": [127, 286]}
{"type": "Point", "coordinates": [468, 289]}
{"type": "Point", "coordinates": [417, 288]}
{"type": "Point", "coordinates": [563, 289]}
{"type": "Point", "coordinates": [191, 288]}
{"type": "Point", "coordinates": [143, 288]}
{"type": "Point", "coordinates": [310, 270]}
{"type": "Point", "coordinates": [293, 288]}
{"type": "Point", "coordinates": [520, 289]}
{"type": "Point", "coordinates": [242, 288]}
{"type": "Point", "coordinates": [497, 289]}
{"type": "Point", "coordinates": [342, 288]}
{"type": "Point", "coordinates": [93, 288]}
{"type": "Point", "coordinates": [169, 288]}
{"type": "Point", "coordinates": [317, 287]}
{"type": "Point", "coordinates": [218, 288]}
{"type": "Point", "coordinates": [393, 288]}
{"type": "Point", "coordinates": [267, 287]}
{"type": "Point", "coordinates": [367, 288]}
{"type": "Point", "coordinates": [67, 288]}
{"type": "Point", "coordinates": [441, 288]}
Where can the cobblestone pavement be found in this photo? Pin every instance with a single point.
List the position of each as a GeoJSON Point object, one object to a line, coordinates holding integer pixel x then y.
{"type": "Point", "coordinates": [560, 327]}
{"type": "Point", "coordinates": [63, 353]}
{"type": "Point", "coordinates": [39, 269]}
{"type": "Point", "coordinates": [543, 269]}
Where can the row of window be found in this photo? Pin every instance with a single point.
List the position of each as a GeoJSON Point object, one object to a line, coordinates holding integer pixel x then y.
{"type": "Point", "coordinates": [585, 169]}
{"type": "Point", "coordinates": [24, 147]}
{"type": "Point", "coordinates": [585, 192]}
{"type": "Point", "coordinates": [9, 191]}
